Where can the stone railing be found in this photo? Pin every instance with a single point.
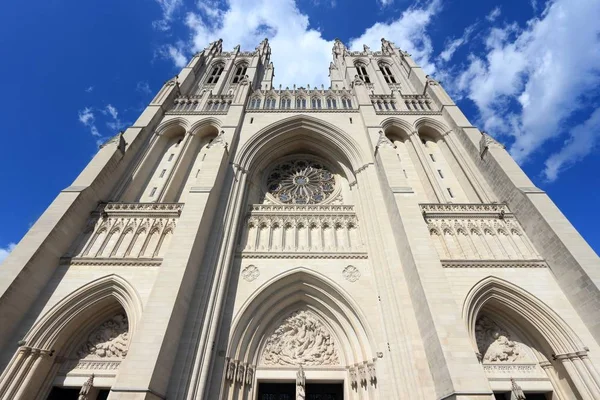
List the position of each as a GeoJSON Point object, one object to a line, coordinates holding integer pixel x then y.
{"type": "Point", "coordinates": [476, 232]}
{"type": "Point", "coordinates": [126, 233]}
{"type": "Point", "coordinates": [215, 104]}
{"type": "Point", "coordinates": [403, 104]}
{"type": "Point", "coordinates": [310, 230]}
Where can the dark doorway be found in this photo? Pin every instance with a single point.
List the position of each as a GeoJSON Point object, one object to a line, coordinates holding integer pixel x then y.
{"type": "Point", "coordinates": [59, 393]}
{"type": "Point", "coordinates": [103, 394]}
{"type": "Point", "coordinates": [324, 391]}
{"type": "Point", "coordinates": [276, 391]}
{"type": "Point", "coordinates": [287, 391]}
{"type": "Point", "coordinates": [528, 396]}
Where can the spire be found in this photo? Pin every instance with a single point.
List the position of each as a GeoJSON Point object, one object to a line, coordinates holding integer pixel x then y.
{"type": "Point", "coordinates": [339, 49]}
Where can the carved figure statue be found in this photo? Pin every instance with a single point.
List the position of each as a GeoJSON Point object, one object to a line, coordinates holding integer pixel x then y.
{"type": "Point", "coordinates": [516, 393]}
{"type": "Point", "coordinates": [109, 340]}
{"type": "Point", "coordinates": [372, 373]}
{"type": "Point", "coordinates": [240, 373]}
{"type": "Point", "coordinates": [301, 339]}
{"type": "Point", "coordinates": [249, 375]}
{"type": "Point", "coordinates": [230, 373]}
{"type": "Point", "coordinates": [300, 384]}
{"type": "Point", "coordinates": [85, 389]}
{"type": "Point", "coordinates": [353, 377]}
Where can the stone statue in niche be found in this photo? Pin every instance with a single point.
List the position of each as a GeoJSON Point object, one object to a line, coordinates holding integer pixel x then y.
{"type": "Point", "coordinates": [109, 340]}
{"type": "Point", "coordinates": [301, 339]}
{"type": "Point", "coordinates": [85, 389]}
{"type": "Point", "coordinates": [494, 342]}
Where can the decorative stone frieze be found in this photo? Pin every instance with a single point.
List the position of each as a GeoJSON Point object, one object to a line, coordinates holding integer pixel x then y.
{"type": "Point", "coordinates": [126, 234]}
{"type": "Point", "coordinates": [301, 339]}
{"type": "Point", "coordinates": [494, 343]}
{"type": "Point", "coordinates": [311, 229]}
{"type": "Point", "coordinates": [478, 232]}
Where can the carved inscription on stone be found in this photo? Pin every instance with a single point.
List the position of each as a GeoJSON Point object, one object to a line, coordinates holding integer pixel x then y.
{"type": "Point", "coordinates": [109, 340]}
{"type": "Point", "coordinates": [494, 342]}
{"type": "Point", "coordinates": [302, 339]}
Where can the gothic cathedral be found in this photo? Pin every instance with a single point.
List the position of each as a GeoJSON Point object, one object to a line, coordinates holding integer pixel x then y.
{"type": "Point", "coordinates": [247, 242]}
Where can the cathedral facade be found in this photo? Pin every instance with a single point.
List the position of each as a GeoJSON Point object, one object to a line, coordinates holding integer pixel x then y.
{"type": "Point", "coordinates": [243, 242]}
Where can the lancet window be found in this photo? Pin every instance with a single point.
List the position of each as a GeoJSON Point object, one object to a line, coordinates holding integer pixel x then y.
{"type": "Point", "coordinates": [331, 103]}
{"type": "Point", "coordinates": [215, 73]}
{"type": "Point", "coordinates": [301, 103]}
{"type": "Point", "coordinates": [387, 73]}
{"type": "Point", "coordinates": [316, 103]}
{"type": "Point", "coordinates": [361, 69]}
{"type": "Point", "coordinates": [240, 72]}
{"type": "Point", "coordinates": [286, 102]}
{"type": "Point", "coordinates": [346, 103]}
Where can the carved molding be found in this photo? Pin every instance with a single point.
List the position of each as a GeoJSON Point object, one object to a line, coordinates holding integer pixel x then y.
{"type": "Point", "coordinates": [301, 339]}
{"type": "Point", "coordinates": [304, 255]}
{"type": "Point", "coordinates": [494, 264]}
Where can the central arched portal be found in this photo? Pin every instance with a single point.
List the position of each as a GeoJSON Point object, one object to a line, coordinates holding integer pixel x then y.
{"type": "Point", "coordinates": [299, 333]}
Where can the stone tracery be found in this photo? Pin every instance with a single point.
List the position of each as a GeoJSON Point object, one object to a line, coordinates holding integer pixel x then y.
{"type": "Point", "coordinates": [301, 181]}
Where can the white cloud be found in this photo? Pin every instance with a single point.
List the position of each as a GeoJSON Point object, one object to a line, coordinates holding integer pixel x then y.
{"type": "Point", "coordinates": [87, 118]}
{"type": "Point", "coordinates": [583, 139]}
{"type": "Point", "coordinates": [385, 3]}
{"type": "Point", "coordinates": [168, 7]}
{"type": "Point", "coordinates": [454, 44]}
{"type": "Point", "coordinates": [89, 89]}
{"type": "Point", "coordinates": [408, 32]}
{"type": "Point", "coordinates": [143, 87]}
{"type": "Point", "coordinates": [299, 53]}
{"type": "Point", "coordinates": [533, 79]}
{"type": "Point", "coordinates": [115, 124]}
{"type": "Point", "coordinates": [5, 251]}
{"type": "Point", "coordinates": [494, 14]}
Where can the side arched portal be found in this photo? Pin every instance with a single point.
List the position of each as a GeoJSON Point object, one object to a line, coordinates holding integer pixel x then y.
{"type": "Point", "coordinates": [518, 336]}
{"type": "Point", "coordinates": [86, 332]}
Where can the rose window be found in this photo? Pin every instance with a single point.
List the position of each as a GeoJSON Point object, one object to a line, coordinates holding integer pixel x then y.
{"type": "Point", "coordinates": [300, 182]}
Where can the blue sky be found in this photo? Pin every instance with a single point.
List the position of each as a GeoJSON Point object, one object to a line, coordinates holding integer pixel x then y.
{"type": "Point", "coordinates": [76, 72]}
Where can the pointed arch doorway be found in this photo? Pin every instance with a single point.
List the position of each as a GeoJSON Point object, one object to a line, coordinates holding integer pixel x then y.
{"type": "Point", "coordinates": [299, 324]}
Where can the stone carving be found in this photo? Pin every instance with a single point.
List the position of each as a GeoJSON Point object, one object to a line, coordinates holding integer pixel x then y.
{"type": "Point", "coordinates": [250, 273]}
{"type": "Point", "coordinates": [372, 373]}
{"type": "Point", "coordinates": [240, 373]}
{"type": "Point", "coordinates": [300, 384]}
{"type": "Point", "coordinates": [351, 273]}
{"type": "Point", "coordinates": [353, 377]}
{"type": "Point", "coordinates": [301, 339]}
{"type": "Point", "coordinates": [516, 393]}
{"type": "Point", "coordinates": [249, 375]}
{"type": "Point", "coordinates": [230, 370]}
{"type": "Point", "coordinates": [494, 342]}
{"type": "Point", "coordinates": [85, 389]}
{"type": "Point", "coordinates": [110, 340]}
{"type": "Point", "coordinates": [486, 142]}
{"type": "Point", "coordinates": [218, 140]}
{"type": "Point", "coordinates": [384, 141]}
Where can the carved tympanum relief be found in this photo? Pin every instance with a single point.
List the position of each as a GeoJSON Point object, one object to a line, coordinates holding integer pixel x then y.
{"type": "Point", "coordinates": [301, 339]}
{"type": "Point", "coordinates": [495, 344]}
{"type": "Point", "coordinates": [109, 340]}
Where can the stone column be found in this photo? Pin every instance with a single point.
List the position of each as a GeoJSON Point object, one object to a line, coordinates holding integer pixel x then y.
{"type": "Point", "coordinates": [575, 377]}
{"type": "Point", "coordinates": [145, 373]}
{"type": "Point", "coordinates": [584, 373]}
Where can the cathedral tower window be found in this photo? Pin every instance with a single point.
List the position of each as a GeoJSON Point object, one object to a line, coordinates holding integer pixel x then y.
{"type": "Point", "coordinates": [240, 72]}
{"type": "Point", "coordinates": [361, 69]}
{"type": "Point", "coordinates": [286, 103]}
{"type": "Point", "coordinates": [316, 103]}
{"type": "Point", "coordinates": [346, 103]}
{"type": "Point", "coordinates": [215, 73]}
{"type": "Point", "coordinates": [301, 103]}
{"type": "Point", "coordinates": [331, 103]}
{"type": "Point", "coordinates": [387, 73]}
